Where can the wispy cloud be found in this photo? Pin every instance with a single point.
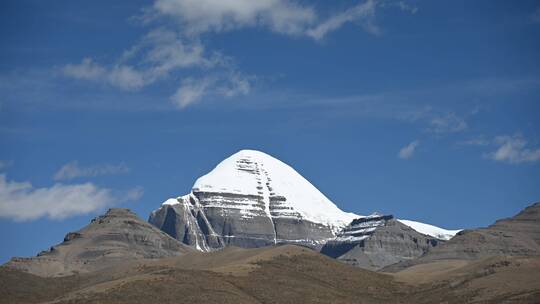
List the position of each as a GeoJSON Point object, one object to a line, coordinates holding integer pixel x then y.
{"type": "Point", "coordinates": [175, 48]}
{"type": "Point", "coordinates": [190, 91]}
{"type": "Point", "coordinates": [20, 201]}
{"type": "Point", "coordinates": [437, 121]}
{"type": "Point", "coordinates": [514, 150]}
{"type": "Point", "coordinates": [480, 141]}
{"type": "Point", "coordinates": [447, 123]}
{"type": "Point", "coordinates": [73, 170]}
{"type": "Point", "coordinates": [193, 90]}
{"type": "Point", "coordinates": [121, 76]}
{"type": "Point", "coordinates": [362, 13]}
{"type": "Point", "coordinates": [409, 150]}
{"type": "Point", "coordinates": [280, 16]}
{"type": "Point", "coordinates": [407, 7]}
{"type": "Point", "coordinates": [158, 55]}
{"type": "Point", "coordinates": [200, 16]}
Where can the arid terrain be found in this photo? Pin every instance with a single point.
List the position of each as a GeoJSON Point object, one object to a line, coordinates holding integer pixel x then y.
{"type": "Point", "coordinates": [282, 274]}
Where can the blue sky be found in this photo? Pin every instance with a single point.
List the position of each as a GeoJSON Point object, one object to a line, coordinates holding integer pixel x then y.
{"type": "Point", "coordinates": [427, 110]}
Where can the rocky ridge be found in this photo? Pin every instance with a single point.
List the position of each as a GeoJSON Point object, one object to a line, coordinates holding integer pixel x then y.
{"type": "Point", "coordinates": [376, 241]}
{"type": "Point", "coordinates": [515, 236]}
{"type": "Point", "coordinates": [118, 236]}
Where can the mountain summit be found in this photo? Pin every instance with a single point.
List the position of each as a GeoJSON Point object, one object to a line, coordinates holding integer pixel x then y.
{"type": "Point", "coordinates": [252, 199]}
{"type": "Point", "coordinates": [116, 237]}
{"type": "Point", "coordinates": [283, 192]}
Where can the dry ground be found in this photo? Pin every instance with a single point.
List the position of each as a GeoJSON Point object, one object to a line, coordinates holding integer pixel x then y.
{"type": "Point", "coordinates": [283, 274]}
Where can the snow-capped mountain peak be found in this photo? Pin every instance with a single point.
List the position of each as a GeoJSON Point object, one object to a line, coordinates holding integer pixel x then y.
{"type": "Point", "coordinates": [252, 199]}
{"type": "Point", "coordinates": [284, 191]}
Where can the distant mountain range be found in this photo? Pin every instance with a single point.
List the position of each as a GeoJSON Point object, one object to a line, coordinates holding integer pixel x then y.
{"type": "Point", "coordinates": [252, 199]}
{"type": "Point", "coordinates": [239, 225]}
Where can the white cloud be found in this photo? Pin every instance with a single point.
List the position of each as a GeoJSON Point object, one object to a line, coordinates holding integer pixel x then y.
{"type": "Point", "coordinates": [87, 70]}
{"type": "Point", "coordinates": [121, 76]}
{"type": "Point", "coordinates": [513, 150]}
{"type": "Point", "coordinates": [176, 50]}
{"type": "Point", "coordinates": [199, 16]}
{"type": "Point", "coordinates": [193, 90]}
{"type": "Point", "coordinates": [408, 151]}
{"type": "Point", "coordinates": [126, 78]}
{"type": "Point", "coordinates": [449, 123]}
{"type": "Point", "coordinates": [235, 85]}
{"type": "Point", "coordinates": [20, 201]}
{"type": "Point", "coordinates": [167, 51]}
{"type": "Point", "coordinates": [159, 53]}
{"type": "Point", "coordinates": [73, 170]}
{"type": "Point", "coordinates": [190, 91]}
{"type": "Point", "coordinates": [362, 13]}
{"type": "Point", "coordinates": [407, 7]}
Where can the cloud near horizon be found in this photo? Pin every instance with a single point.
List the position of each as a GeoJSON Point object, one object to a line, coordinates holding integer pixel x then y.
{"type": "Point", "coordinates": [20, 201]}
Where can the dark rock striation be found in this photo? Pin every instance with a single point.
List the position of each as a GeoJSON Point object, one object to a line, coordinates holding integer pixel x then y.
{"type": "Point", "coordinates": [377, 241]}
{"type": "Point", "coordinates": [197, 221]}
{"type": "Point", "coordinates": [251, 200]}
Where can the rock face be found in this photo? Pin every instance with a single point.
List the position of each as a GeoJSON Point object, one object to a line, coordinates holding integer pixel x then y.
{"type": "Point", "coordinates": [376, 241]}
{"type": "Point", "coordinates": [251, 200]}
{"type": "Point", "coordinates": [515, 236]}
{"type": "Point", "coordinates": [117, 236]}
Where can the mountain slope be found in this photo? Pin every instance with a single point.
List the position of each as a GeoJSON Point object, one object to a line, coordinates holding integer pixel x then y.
{"type": "Point", "coordinates": [251, 200]}
{"type": "Point", "coordinates": [515, 236]}
{"type": "Point", "coordinates": [113, 238]}
{"type": "Point", "coordinates": [376, 241]}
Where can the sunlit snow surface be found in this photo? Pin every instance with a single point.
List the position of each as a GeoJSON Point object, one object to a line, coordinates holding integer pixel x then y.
{"type": "Point", "coordinates": [251, 172]}
{"type": "Point", "coordinates": [254, 173]}
{"type": "Point", "coordinates": [434, 231]}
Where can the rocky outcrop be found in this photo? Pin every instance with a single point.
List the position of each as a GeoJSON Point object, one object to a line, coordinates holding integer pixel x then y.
{"type": "Point", "coordinates": [184, 220]}
{"type": "Point", "coordinates": [201, 224]}
{"type": "Point", "coordinates": [377, 241]}
{"type": "Point", "coordinates": [117, 236]}
{"type": "Point", "coordinates": [515, 236]}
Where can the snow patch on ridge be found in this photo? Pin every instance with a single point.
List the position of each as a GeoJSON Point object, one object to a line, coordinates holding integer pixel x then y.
{"type": "Point", "coordinates": [431, 230]}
